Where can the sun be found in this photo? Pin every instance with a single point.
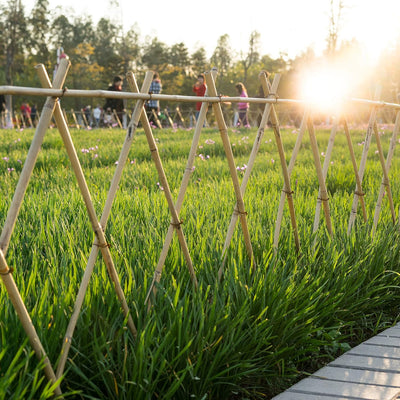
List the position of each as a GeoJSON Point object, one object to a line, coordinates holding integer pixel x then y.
{"type": "Point", "coordinates": [325, 89]}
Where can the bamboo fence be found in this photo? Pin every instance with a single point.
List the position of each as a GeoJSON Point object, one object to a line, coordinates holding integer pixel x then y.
{"type": "Point", "coordinates": [52, 109]}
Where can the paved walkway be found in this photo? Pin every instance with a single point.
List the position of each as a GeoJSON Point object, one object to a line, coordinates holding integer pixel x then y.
{"type": "Point", "coordinates": [369, 371]}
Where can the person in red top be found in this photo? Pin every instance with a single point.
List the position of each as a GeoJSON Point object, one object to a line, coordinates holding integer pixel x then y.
{"type": "Point", "coordinates": [200, 89]}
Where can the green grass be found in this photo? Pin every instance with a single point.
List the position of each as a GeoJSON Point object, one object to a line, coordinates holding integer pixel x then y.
{"type": "Point", "coordinates": [250, 336]}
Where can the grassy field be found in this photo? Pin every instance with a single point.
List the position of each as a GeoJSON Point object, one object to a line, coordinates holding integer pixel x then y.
{"type": "Point", "coordinates": [251, 335]}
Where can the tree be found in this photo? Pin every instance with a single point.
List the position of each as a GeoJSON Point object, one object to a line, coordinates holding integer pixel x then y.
{"type": "Point", "coordinates": [221, 57]}
{"type": "Point", "coordinates": [155, 55]}
{"type": "Point", "coordinates": [199, 61]}
{"type": "Point", "coordinates": [252, 55]}
{"type": "Point", "coordinates": [179, 55]}
{"type": "Point", "coordinates": [335, 18]}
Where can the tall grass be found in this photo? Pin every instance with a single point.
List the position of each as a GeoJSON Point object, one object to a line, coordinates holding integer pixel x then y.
{"type": "Point", "coordinates": [249, 336]}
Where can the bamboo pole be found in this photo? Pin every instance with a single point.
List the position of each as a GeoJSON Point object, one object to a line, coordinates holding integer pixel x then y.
{"type": "Point", "coordinates": [323, 192]}
{"type": "Point", "coordinates": [327, 160]}
{"type": "Point", "coordinates": [385, 177]}
{"type": "Point", "coordinates": [231, 162]}
{"type": "Point", "coordinates": [389, 157]}
{"type": "Point", "coordinates": [250, 164]}
{"type": "Point", "coordinates": [182, 191]}
{"type": "Point", "coordinates": [131, 130]}
{"type": "Point", "coordinates": [355, 168]}
{"type": "Point", "coordinates": [75, 119]}
{"type": "Point", "coordinates": [178, 112]}
{"type": "Point", "coordinates": [84, 119]}
{"type": "Point", "coordinates": [12, 215]}
{"type": "Point", "coordinates": [155, 116]}
{"type": "Point", "coordinates": [361, 170]}
{"type": "Point", "coordinates": [286, 176]}
{"type": "Point", "coordinates": [295, 151]}
{"type": "Point", "coordinates": [117, 118]}
{"type": "Point", "coordinates": [175, 221]}
{"type": "Point", "coordinates": [169, 118]}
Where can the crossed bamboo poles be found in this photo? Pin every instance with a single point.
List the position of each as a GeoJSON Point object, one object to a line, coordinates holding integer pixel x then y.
{"type": "Point", "coordinates": [52, 107]}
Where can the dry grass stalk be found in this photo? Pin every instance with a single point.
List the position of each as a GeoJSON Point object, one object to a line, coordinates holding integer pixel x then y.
{"type": "Point", "coordinates": [232, 168]}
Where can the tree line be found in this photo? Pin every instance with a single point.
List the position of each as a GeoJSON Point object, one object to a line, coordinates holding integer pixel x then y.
{"type": "Point", "coordinates": [100, 51]}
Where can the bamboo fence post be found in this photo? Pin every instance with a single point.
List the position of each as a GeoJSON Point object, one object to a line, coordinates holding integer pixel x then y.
{"type": "Point", "coordinates": [182, 191]}
{"type": "Point", "coordinates": [385, 177]}
{"type": "Point", "coordinates": [169, 118]}
{"type": "Point", "coordinates": [178, 111]}
{"type": "Point", "coordinates": [117, 118]}
{"type": "Point", "coordinates": [355, 168]}
{"type": "Point", "coordinates": [155, 116]}
{"type": "Point", "coordinates": [84, 119]}
{"type": "Point", "coordinates": [361, 169]}
{"type": "Point", "coordinates": [250, 164]}
{"type": "Point", "coordinates": [65, 116]}
{"type": "Point", "coordinates": [103, 222]}
{"type": "Point", "coordinates": [389, 157]}
{"type": "Point", "coordinates": [323, 192]}
{"type": "Point", "coordinates": [295, 151]}
{"type": "Point", "coordinates": [12, 215]}
{"type": "Point", "coordinates": [75, 119]}
{"type": "Point", "coordinates": [231, 162]}
{"type": "Point", "coordinates": [175, 222]}
{"type": "Point", "coordinates": [327, 160]}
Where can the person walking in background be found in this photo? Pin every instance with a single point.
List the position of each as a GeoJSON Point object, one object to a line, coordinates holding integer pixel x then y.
{"type": "Point", "coordinates": [97, 115]}
{"type": "Point", "coordinates": [242, 107]}
{"type": "Point", "coordinates": [116, 104]}
{"type": "Point", "coordinates": [200, 89]}
{"type": "Point", "coordinates": [154, 105]}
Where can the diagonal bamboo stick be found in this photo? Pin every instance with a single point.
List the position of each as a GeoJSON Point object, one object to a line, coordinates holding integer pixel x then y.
{"type": "Point", "coordinates": [286, 176]}
{"type": "Point", "coordinates": [385, 177]}
{"type": "Point", "coordinates": [355, 168]}
{"type": "Point", "coordinates": [250, 164]}
{"type": "Point", "coordinates": [12, 215]}
{"type": "Point", "coordinates": [361, 170]}
{"type": "Point", "coordinates": [290, 169]}
{"type": "Point", "coordinates": [323, 192]}
{"type": "Point", "coordinates": [231, 162]}
{"type": "Point", "coordinates": [327, 160]}
{"type": "Point", "coordinates": [389, 157]}
{"type": "Point", "coordinates": [176, 223]}
{"type": "Point", "coordinates": [103, 221]}
{"type": "Point", "coordinates": [182, 191]}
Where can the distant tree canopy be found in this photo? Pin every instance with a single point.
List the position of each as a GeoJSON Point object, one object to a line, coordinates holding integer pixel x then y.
{"type": "Point", "coordinates": [100, 51]}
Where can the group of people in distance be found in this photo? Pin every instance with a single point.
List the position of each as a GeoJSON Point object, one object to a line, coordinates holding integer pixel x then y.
{"type": "Point", "coordinates": [152, 106]}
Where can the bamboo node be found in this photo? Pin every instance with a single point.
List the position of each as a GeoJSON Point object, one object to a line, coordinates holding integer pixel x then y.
{"type": "Point", "coordinates": [242, 212]}
{"type": "Point", "coordinates": [359, 193]}
{"type": "Point", "coordinates": [104, 245]}
{"type": "Point", "coordinates": [9, 271]}
{"type": "Point", "coordinates": [274, 96]}
{"type": "Point", "coordinates": [177, 224]}
{"type": "Point", "coordinates": [287, 191]}
{"type": "Point", "coordinates": [325, 199]}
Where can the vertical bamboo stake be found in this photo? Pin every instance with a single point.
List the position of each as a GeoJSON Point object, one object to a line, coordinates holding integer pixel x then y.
{"type": "Point", "coordinates": [231, 162]}
{"type": "Point", "coordinates": [12, 215]}
{"type": "Point", "coordinates": [178, 111]}
{"type": "Point", "coordinates": [388, 164]}
{"type": "Point", "coordinates": [250, 164]}
{"type": "Point", "coordinates": [103, 222]}
{"type": "Point", "coordinates": [321, 180]}
{"type": "Point", "coordinates": [176, 223]}
{"type": "Point", "coordinates": [355, 168]}
{"type": "Point", "coordinates": [290, 169]}
{"type": "Point", "coordinates": [327, 160]}
{"type": "Point", "coordinates": [84, 119]}
{"type": "Point", "coordinates": [117, 118]}
{"type": "Point", "coordinates": [169, 118]}
{"type": "Point", "coordinates": [181, 195]}
{"type": "Point", "coordinates": [361, 170]}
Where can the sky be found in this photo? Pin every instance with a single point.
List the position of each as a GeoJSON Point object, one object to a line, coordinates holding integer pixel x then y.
{"type": "Point", "coordinates": [285, 26]}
